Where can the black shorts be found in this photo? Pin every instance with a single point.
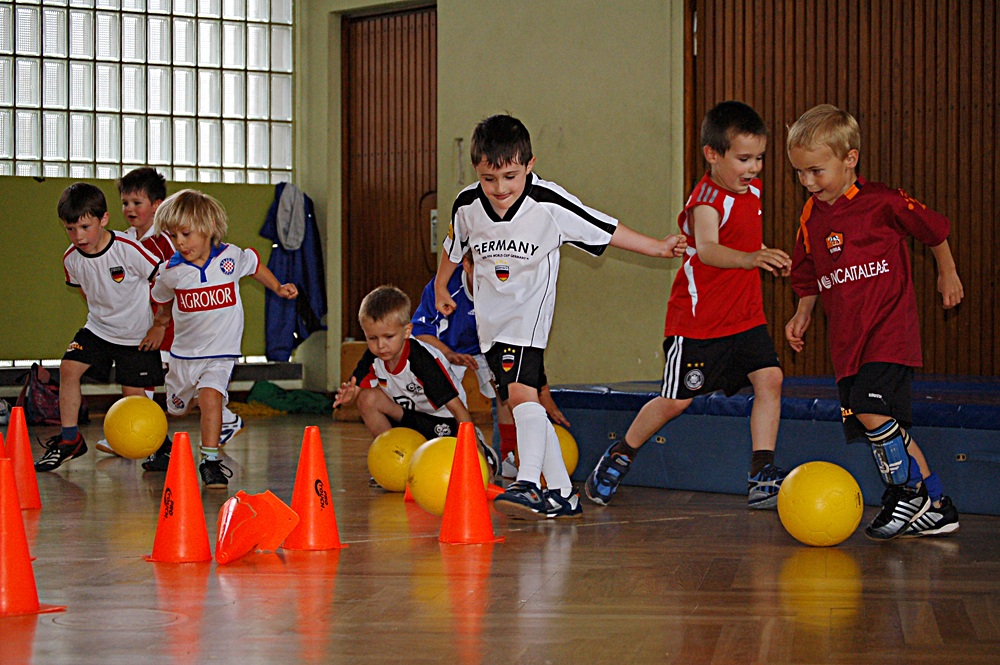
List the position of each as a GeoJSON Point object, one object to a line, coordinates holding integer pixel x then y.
{"type": "Point", "coordinates": [701, 366]}
{"type": "Point", "coordinates": [430, 426]}
{"type": "Point", "coordinates": [879, 388]}
{"type": "Point", "coordinates": [133, 368]}
{"type": "Point", "coordinates": [510, 363]}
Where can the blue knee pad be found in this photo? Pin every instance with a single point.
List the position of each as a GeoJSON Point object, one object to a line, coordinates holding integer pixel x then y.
{"type": "Point", "coordinates": [889, 444]}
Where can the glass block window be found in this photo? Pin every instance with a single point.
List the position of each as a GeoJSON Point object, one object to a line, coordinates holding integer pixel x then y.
{"type": "Point", "coordinates": [200, 89]}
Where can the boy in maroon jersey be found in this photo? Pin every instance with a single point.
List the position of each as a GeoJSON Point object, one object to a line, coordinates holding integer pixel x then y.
{"type": "Point", "coordinates": [716, 333]}
{"type": "Point", "coordinates": [851, 249]}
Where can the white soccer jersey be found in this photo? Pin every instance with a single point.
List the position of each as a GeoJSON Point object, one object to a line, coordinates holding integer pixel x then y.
{"type": "Point", "coordinates": [116, 283]}
{"type": "Point", "coordinates": [423, 381]}
{"type": "Point", "coordinates": [517, 257]}
{"type": "Point", "coordinates": [208, 314]}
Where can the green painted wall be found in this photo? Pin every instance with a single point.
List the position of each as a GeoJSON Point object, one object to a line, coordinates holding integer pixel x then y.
{"type": "Point", "coordinates": [600, 87]}
{"type": "Point", "coordinates": [40, 314]}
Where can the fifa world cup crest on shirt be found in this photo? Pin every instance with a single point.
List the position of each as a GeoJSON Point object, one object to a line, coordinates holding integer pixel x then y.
{"type": "Point", "coordinates": [835, 244]}
{"type": "Point", "coordinates": [502, 270]}
{"type": "Point", "coordinates": [118, 274]}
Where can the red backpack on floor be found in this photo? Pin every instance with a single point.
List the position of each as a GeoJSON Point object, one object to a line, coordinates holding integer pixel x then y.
{"type": "Point", "coordinates": [40, 398]}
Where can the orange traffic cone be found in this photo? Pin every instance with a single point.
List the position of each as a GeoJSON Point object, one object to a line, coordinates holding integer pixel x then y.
{"type": "Point", "coordinates": [311, 500]}
{"type": "Point", "coordinates": [466, 518]}
{"type": "Point", "coordinates": [3, 450]}
{"type": "Point", "coordinates": [252, 521]}
{"type": "Point", "coordinates": [19, 450]}
{"type": "Point", "coordinates": [18, 593]}
{"type": "Point", "coordinates": [408, 496]}
{"type": "Point", "coordinates": [181, 533]}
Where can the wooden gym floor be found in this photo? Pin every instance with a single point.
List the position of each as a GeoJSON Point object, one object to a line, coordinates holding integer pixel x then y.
{"type": "Point", "coordinates": [659, 577]}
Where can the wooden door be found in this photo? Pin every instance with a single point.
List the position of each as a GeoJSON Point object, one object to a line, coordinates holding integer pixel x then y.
{"type": "Point", "coordinates": [921, 77]}
{"type": "Point", "coordinates": [390, 154]}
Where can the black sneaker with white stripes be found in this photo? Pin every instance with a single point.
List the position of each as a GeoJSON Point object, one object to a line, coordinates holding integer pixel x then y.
{"type": "Point", "coordinates": [901, 505]}
{"type": "Point", "coordinates": [935, 522]}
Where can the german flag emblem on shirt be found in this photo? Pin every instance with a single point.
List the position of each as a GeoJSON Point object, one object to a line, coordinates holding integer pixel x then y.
{"type": "Point", "coordinates": [502, 270]}
{"type": "Point", "coordinates": [507, 360]}
{"type": "Point", "coordinates": [118, 274]}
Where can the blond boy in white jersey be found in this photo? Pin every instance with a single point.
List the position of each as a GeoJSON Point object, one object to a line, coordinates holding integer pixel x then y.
{"type": "Point", "coordinates": [198, 288]}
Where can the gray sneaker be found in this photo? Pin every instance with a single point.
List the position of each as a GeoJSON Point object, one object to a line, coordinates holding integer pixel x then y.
{"type": "Point", "coordinates": [901, 505]}
{"type": "Point", "coordinates": [935, 522]}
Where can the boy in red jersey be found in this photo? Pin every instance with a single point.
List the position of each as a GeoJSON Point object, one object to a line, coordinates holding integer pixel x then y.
{"type": "Point", "coordinates": [716, 333]}
{"type": "Point", "coordinates": [851, 249]}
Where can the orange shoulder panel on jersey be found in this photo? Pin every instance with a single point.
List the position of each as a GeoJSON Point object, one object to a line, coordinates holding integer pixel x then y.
{"type": "Point", "coordinates": [803, 218]}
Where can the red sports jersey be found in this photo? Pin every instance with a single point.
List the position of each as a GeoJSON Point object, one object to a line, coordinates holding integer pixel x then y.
{"type": "Point", "coordinates": [853, 255]}
{"type": "Point", "coordinates": [160, 247]}
{"type": "Point", "coordinates": [708, 302]}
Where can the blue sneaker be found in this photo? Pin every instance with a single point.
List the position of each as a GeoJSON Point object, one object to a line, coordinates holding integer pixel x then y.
{"type": "Point", "coordinates": [523, 500]}
{"type": "Point", "coordinates": [606, 476]}
{"type": "Point", "coordinates": [762, 489]}
{"type": "Point", "coordinates": [560, 507]}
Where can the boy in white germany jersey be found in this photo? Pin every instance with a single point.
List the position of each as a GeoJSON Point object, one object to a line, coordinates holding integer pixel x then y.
{"type": "Point", "coordinates": [515, 223]}
{"type": "Point", "coordinates": [113, 273]}
{"type": "Point", "coordinates": [199, 289]}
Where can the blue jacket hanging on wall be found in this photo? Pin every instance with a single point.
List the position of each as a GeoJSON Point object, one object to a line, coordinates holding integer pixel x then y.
{"type": "Point", "coordinates": [296, 257]}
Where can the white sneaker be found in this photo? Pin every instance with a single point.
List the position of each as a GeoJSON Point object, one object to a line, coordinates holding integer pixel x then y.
{"type": "Point", "coordinates": [509, 468]}
{"type": "Point", "coordinates": [105, 447]}
{"type": "Point", "coordinates": [229, 430]}
{"type": "Point", "coordinates": [4, 412]}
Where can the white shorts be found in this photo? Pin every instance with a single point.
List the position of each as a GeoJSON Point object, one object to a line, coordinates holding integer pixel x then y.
{"type": "Point", "coordinates": [186, 377]}
{"type": "Point", "coordinates": [483, 374]}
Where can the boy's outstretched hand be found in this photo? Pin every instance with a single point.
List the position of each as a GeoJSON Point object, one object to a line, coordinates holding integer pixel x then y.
{"type": "Point", "coordinates": [287, 291]}
{"type": "Point", "coordinates": [676, 245]}
{"type": "Point", "coordinates": [153, 338]}
{"type": "Point", "coordinates": [770, 259]}
{"type": "Point", "coordinates": [950, 287]}
{"type": "Point", "coordinates": [348, 393]}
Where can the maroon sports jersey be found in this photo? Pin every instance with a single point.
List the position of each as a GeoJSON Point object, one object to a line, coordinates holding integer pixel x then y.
{"type": "Point", "coordinates": [853, 255]}
{"type": "Point", "coordinates": [708, 302]}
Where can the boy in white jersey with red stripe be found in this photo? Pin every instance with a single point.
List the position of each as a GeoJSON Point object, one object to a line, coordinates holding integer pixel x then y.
{"type": "Point", "coordinates": [716, 333]}
{"type": "Point", "coordinates": [851, 251]}
{"type": "Point", "coordinates": [401, 381]}
{"type": "Point", "coordinates": [199, 289]}
{"type": "Point", "coordinates": [515, 224]}
{"type": "Point", "coordinates": [113, 273]}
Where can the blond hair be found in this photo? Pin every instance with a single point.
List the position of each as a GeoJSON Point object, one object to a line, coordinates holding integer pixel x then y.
{"type": "Point", "coordinates": [383, 303]}
{"type": "Point", "coordinates": [191, 209]}
{"type": "Point", "coordinates": [825, 125]}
